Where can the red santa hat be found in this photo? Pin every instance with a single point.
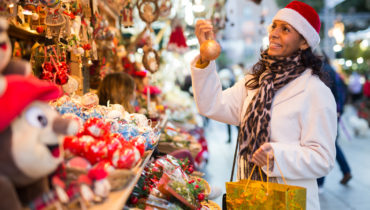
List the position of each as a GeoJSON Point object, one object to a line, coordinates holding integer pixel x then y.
{"type": "Point", "coordinates": [20, 92]}
{"type": "Point", "coordinates": [304, 19]}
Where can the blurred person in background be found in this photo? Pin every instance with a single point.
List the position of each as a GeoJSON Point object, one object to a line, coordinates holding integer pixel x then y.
{"type": "Point", "coordinates": [117, 88]}
{"type": "Point", "coordinates": [366, 88]}
{"type": "Point", "coordinates": [339, 90]}
{"type": "Point", "coordinates": [355, 87]}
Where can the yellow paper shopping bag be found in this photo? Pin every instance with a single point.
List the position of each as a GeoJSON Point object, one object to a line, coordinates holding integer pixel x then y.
{"type": "Point", "coordinates": [252, 195]}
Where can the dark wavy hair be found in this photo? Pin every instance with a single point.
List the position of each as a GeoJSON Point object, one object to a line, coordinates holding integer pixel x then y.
{"type": "Point", "coordinates": [308, 58]}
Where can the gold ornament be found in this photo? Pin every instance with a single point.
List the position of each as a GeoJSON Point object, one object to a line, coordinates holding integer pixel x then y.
{"type": "Point", "coordinates": [210, 50]}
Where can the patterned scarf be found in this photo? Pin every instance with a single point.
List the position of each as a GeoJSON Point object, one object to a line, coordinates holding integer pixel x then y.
{"type": "Point", "coordinates": [255, 126]}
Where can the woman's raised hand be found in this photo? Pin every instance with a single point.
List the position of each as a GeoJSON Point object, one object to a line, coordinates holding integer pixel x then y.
{"type": "Point", "coordinates": [203, 30]}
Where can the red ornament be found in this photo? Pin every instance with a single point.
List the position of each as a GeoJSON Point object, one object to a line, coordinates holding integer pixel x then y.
{"type": "Point", "coordinates": [96, 127]}
{"type": "Point", "coordinates": [96, 152]}
{"type": "Point", "coordinates": [40, 29]}
{"type": "Point", "coordinates": [82, 144]}
{"type": "Point", "coordinates": [61, 77]}
{"type": "Point", "coordinates": [113, 144]}
{"type": "Point", "coordinates": [71, 144]}
{"type": "Point", "coordinates": [47, 75]}
{"type": "Point", "coordinates": [97, 173]}
{"type": "Point", "coordinates": [201, 196]}
{"type": "Point", "coordinates": [139, 143]}
{"type": "Point", "coordinates": [86, 47]}
{"type": "Point", "coordinates": [134, 200]}
{"type": "Point", "coordinates": [125, 158]}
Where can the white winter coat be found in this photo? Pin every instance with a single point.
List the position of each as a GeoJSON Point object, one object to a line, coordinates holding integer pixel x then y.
{"type": "Point", "coordinates": [303, 123]}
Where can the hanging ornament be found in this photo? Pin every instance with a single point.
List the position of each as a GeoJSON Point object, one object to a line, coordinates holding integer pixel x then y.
{"type": "Point", "coordinates": [126, 14]}
{"type": "Point", "coordinates": [148, 11]}
{"type": "Point", "coordinates": [150, 59]}
{"type": "Point", "coordinates": [165, 8]}
{"type": "Point", "coordinates": [177, 40]}
{"type": "Point", "coordinates": [210, 49]}
{"type": "Point", "coordinates": [54, 69]}
{"type": "Point", "coordinates": [55, 23]}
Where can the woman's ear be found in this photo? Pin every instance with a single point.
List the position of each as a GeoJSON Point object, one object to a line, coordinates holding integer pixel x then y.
{"type": "Point", "coordinates": [304, 45]}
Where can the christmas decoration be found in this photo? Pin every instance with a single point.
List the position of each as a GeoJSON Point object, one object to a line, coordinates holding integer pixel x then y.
{"type": "Point", "coordinates": [126, 14]}
{"type": "Point", "coordinates": [177, 40]}
{"type": "Point", "coordinates": [210, 50]}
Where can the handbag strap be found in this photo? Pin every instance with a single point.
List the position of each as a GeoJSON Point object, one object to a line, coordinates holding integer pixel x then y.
{"type": "Point", "coordinates": [236, 150]}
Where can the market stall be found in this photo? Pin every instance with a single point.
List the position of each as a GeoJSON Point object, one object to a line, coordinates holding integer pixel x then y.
{"type": "Point", "coordinates": [106, 149]}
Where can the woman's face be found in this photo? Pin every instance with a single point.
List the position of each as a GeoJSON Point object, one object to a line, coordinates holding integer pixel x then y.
{"type": "Point", "coordinates": [284, 40]}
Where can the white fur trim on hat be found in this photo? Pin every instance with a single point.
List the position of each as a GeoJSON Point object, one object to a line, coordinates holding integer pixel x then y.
{"type": "Point", "coordinates": [300, 24]}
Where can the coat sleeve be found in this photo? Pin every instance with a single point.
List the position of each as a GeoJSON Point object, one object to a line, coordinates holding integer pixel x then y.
{"type": "Point", "coordinates": [224, 106]}
{"type": "Point", "coordinates": [314, 155]}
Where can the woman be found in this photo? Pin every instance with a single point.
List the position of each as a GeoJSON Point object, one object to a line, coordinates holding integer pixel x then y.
{"type": "Point", "coordinates": [117, 88]}
{"type": "Point", "coordinates": [283, 108]}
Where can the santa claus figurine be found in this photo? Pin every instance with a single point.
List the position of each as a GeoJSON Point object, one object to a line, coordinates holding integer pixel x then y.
{"type": "Point", "coordinates": [177, 40]}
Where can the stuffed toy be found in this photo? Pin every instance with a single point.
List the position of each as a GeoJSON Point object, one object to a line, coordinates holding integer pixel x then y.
{"type": "Point", "coordinates": [30, 132]}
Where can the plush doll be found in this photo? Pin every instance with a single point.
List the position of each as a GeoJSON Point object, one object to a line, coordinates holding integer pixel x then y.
{"type": "Point", "coordinates": [30, 131]}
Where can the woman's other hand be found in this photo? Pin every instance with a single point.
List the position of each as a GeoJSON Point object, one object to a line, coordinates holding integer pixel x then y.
{"type": "Point", "coordinates": [261, 154]}
{"type": "Point", "coordinates": [203, 30]}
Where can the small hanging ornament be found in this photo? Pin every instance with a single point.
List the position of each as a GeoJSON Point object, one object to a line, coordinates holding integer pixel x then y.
{"type": "Point", "coordinates": [54, 70]}
{"type": "Point", "coordinates": [55, 23]}
{"type": "Point", "coordinates": [126, 14]}
{"type": "Point", "coordinates": [210, 49]}
{"type": "Point", "coordinates": [177, 40]}
{"type": "Point", "coordinates": [165, 8]}
{"type": "Point", "coordinates": [148, 11]}
{"type": "Point", "coordinates": [150, 59]}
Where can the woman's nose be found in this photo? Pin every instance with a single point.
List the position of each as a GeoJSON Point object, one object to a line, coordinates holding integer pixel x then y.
{"type": "Point", "coordinates": [274, 33]}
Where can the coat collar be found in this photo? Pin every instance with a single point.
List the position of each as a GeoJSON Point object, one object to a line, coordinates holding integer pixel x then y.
{"type": "Point", "coordinates": [292, 88]}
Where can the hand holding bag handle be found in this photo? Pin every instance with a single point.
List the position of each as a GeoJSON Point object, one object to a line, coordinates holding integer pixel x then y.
{"type": "Point", "coordinates": [224, 207]}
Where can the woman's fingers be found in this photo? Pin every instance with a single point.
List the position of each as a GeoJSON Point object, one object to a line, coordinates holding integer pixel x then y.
{"type": "Point", "coordinates": [202, 28]}
{"type": "Point", "coordinates": [262, 154]}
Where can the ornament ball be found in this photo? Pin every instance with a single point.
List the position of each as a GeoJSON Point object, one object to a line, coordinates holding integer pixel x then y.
{"type": "Point", "coordinates": [210, 50]}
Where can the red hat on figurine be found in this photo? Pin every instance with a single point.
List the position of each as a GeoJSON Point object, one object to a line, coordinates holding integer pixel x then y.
{"type": "Point", "coordinates": [304, 19]}
{"type": "Point", "coordinates": [20, 91]}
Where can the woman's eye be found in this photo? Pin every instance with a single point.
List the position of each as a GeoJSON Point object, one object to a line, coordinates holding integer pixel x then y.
{"type": "Point", "coordinates": [286, 29]}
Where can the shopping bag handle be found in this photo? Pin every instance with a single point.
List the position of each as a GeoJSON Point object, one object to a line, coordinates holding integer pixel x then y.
{"type": "Point", "coordinates": [267, 174]}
